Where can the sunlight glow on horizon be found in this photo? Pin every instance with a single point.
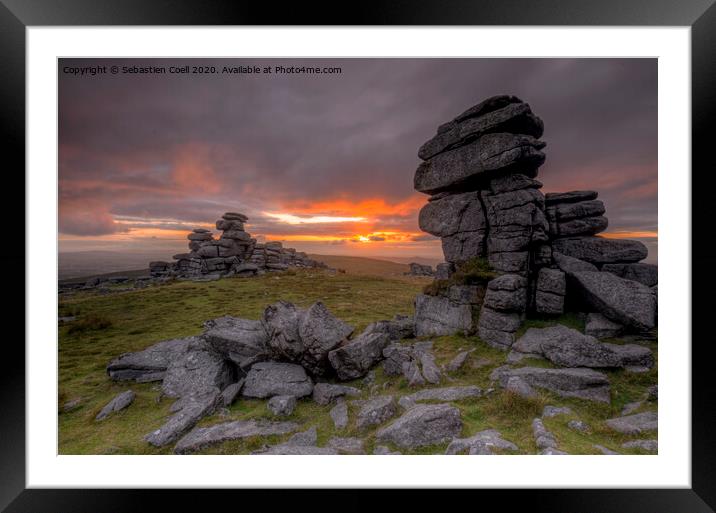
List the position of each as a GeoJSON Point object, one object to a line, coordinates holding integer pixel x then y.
{"type": "Point", "coordinates": [293, 219]}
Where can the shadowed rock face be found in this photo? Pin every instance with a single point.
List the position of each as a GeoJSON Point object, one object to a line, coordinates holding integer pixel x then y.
{"type": "Point", "coordinates": [597, 250]}
{"type": "Point", "coordinates": [267, 379]}
{"type": "Point", "coordinates": [150, 364]}
{"type": "Point", "coordinates": [358, 356]}
{"type": "Point", "coordinates": [199, 370]}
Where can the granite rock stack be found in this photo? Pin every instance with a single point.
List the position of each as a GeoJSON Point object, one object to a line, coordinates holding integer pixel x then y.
{"type": "Point", "coordinates": [235, 252]}
{"type": "Point", "coordinates": [486, 206]}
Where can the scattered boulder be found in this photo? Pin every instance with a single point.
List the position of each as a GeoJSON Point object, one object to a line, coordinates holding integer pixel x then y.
{"type": "Point", "coordinates": [382, 450]}
{"type": "Point", "coordinates": [520, 387]}
{"type": "Point", "coordinates": [200, 369]}
{"type": "Point", "coordinates": [355, 358]}
{"type": "Point", "coordinates": [430, 370]}
{"type": "Point", "coordinates": [483, 442]}
{"type": "Point", "coordinates": [320, 333]}
{"type": "Point", "coordinates": [623, 301]}
{"type": "Point", "coordinates": [229, 394]}
{"type": "Point", "coordinates": [458, 362]}
{"type": "Point", "coordinates": [441, 394]}
{"type": "Point", "coordinates": [282, 405]}
{"type": "Point", "coordinates": [598, 326]}
{"type": "Point", "coordinates": [240, 340]}
{"type": "Point", "coordinates": [437, 316]}
{"type": "Point", "coordinates": [400, 327]}
{"type": "Point", "coordinates": [651, 446]}
{"type": "Point", "coordinates": [554, 411]}
{"type": "Point", "coordinates": [635, 424]}
{"type": "Point", "coordinates": [346, 445]}
{"type": "Point", "coordinates": [579, 426]}
{"type": "Point", "coordinates": [581, 383]}
{"type": "Point", "coordinates": [425, 424]}
{"type": "Point", "coordinates": [267, 379]}
{"type": "Point", "coordinates": [376, 411]}
{"type": "Point", "coordinates": [326, 393]}
{"type": "Point", "coordinates": [339, 414]}
{"type": "Point", "coordinates": [235, 430]}
{"type": "Point", "coordinates": [544, 439]}
{"type": "Point", "coordinates": [119, 402]}
{"type": "Point", "coordinates": [604, 450]}
{"type": "Point", "coordinates": [567, 347]}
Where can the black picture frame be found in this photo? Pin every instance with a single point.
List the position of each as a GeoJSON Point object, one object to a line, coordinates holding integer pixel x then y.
{"type": "Point", "coordinates": [17, 15]}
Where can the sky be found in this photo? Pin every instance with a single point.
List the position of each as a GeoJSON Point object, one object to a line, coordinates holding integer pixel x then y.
{"type": "Point", "coordinates": [325, 162]}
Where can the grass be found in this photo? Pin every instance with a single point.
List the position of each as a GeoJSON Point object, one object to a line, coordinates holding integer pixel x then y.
{"type": "Point", "coordinates": [475, 271]}
{"type": "Point", "coordinates": [133, 320]}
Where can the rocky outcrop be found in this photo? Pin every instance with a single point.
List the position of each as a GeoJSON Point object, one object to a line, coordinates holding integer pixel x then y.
{"type": "Point", "coordinates": [150, 364]}
{"type": "Point", "coordinates": [502, 311]}
{"type": "Point", "coordinates": [236, 430]}
{"type": "Point", "coordinates": [581, 383]}
{"type": "Point", "coordinates": [436, 316]}
{"type": "Point", "coordinates": [235, 252]}
{"type": "Point", "coordinates": [267, 379]}
{"type": "Point", "coordinates": [356, 358]}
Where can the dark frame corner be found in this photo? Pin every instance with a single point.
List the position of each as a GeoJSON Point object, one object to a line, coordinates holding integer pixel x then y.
{"type": "Point", "coordinates": [700, 15]}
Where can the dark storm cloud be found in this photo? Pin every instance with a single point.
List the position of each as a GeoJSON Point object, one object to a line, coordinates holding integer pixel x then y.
{"type": "Point", "coordinates": [188, 147]}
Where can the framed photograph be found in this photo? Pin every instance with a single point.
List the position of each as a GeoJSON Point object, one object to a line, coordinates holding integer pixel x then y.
{"type": "Point", "coordinates": [350, 254]}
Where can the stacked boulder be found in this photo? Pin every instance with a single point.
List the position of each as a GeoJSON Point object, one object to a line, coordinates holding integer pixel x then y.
{"type": "Point", "coordinates": [235, 252]}
{"type": "Point", "coordinates": [485, 205]}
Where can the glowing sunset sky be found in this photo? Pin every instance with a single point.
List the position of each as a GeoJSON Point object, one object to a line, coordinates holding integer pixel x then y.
{"type": "Point", "coordinates": [326, 162]}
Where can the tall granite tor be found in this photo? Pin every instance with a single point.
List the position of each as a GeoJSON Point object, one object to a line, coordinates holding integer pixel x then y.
{"type": "Point", "coordinates": [479, 170]}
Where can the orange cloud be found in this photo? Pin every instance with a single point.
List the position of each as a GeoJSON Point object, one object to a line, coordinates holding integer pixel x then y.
{"type": "Point", "coordinates": [368, 208]}
{"type": "Point", "coordinates": [630, 235]}
{"type": "Point", "coordinates": [192, 168]}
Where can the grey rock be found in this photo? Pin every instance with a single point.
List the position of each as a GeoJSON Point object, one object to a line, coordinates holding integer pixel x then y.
{"type": "Point", "coordinates": [320, 332]}
{"type": "Point", "coordinates": [598, 250]}
{"type": "Point", "coordinates": [298, 450]}
{"type": "Point", "coordinates": [459, 360]}
{"type": "Point", "coordinates": [395, 356]}
{"type": "Point", "coordinates": [481, 443]}
{"type": "Point", "coordinates": [581, 383]}
{"type": "Point", "coordinates": [604, 450]}
{"type": "Point", "coordinates": [543, 437]}
{"type": "Point", "coordinates": [423, 425]}
{"type": "Point", "coordinates": [490, 154]}
{"type": "Point", "coordinates": [119, 402]}
{"type": "Point", "coordinates": [308, 437]}
{"type": "Point", "coordinates": [354, 359]}
{"type": "Point", "coordinates": [267, 379]}
{"type": "Point", "coordinates": [646, 274]}
{"type": "Point", "coordinates": [466, 294]}
{"type": "Point", "coordinates": [149, 363]}
{"type": "Point", "coordinates": [498, 328]}
{"type": "Point", "coordinates": [579, 227]}
{"type": "Point", "coordinates": [282, 405]}
{"type": "Point", "coordinates": [412, 373]}
{"type": "Point", "coordinates": [652, 393]}
{"type": "Point", "coordinates": [229, 394]}
{"type": "Point", "coordinates": [598, 326]}
{"type": "Point", "coordinates": [235, 216]}
{"type": "Point", "coordinates": [551, 451]}
{"type": "Point", "coordinates": [444, 270]}
{"type": "Point", "coordinates": [346, 445]}
{"type": "Point", "coordinates": [417, 269]}
{"type": "Point", "coordinates": [515, 118]}
{"type": "Point", "coordinates": [400, 327]}
{"type": "Point", "coordinates": [552, 198]}
{"type": "Point", "coordinates": [567, 347]}
{"type": "Point", "coordinates": [553, 411]}
{"type": "Point", "coordinates": [339, 414]}
{"type": "Point", "coordinates": [236, 235]}
{"type": "Point", "coordinates": [512, 182]}
{"type": "Point", "coordinates": [193, 408]}
{"type": "Point", "coordinates": [229, 225]}
{"type": "Point", "coordinates": [651, 446]}
{"type": "Point", "coordinates": [520, 387]}
{"type": "Point", "coordinates": [455, 213]}
{"type": "Point", "coordinates": [241, 340]}
{"type": "Point", "coordinates": [548, 303]}
{"type": "Point", "coordinates": [200, 236]}
{"type": "Point", "coordinates": [463, 246]}
{"type": "Point", "coordinates": [326, 393]}
{"type": "Point", "coordinates": [437, 316]}
{"type": "Point", "coordinates": [430, 370]}
{"type": "Point", "coordinates": [551, 280]}
{"type": "Point", "coordinates": [382, 450]}
{"type": "Point", "coordinates": [635, 424]}
{"type": "Point", "coordinates": [72, 405]}
{"type": "Point", "coordinates": [630, 408]}
{"type": "Point", "coordinates": [579, 426]}
{"type": "Point", "coordinates": [200, 369]}
{"type": "Point", "coordinates": [199, 438]}
{"type": "Point", "coordinates": [457, 393]}
{"type": "Point", "coordinates": [571, 265]}
{"type": "Point", "coordinates": [281, 321]}
{"type": "Point", "coordinates": [623, 301]}
{"type": "Point", "coordinates": [575, 210]}
{"type": "Point", "coordinates": [376, 411]}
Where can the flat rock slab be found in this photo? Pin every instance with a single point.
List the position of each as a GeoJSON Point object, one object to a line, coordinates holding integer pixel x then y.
{"type": "Point", "coordinates": [357, 357]}
{"type": "Point", "coordinates": [554, 411]}
{"type": "Point", "coordinates": [598, 250]}
{"type": "Point", "coordinates": [422, 425]}
{"type": "Point", "coordinates": [267, 379]}
{"type": "Point", "coordinates": [298, 450]}
{"type": "Point", "coordinates": [202, 437]}
{"type": "Point", "coordinates": [149, 364]}
{"type": "Point", "coordinates": [568, 347]}
{"type": "Point", "coordinates": [437, 316]}
{"type": "Point", "coordinates": [624, 301]}
{"type": "Point", "coordinates": [553, 198]}
{"type": "Point", "coordinates": [189, 411]}
{"type": "Point", "coordinates": [346, 445]}
{"type": "Point", "coordinates": [442, 394]}
{"type": "Point", "coordinates": [400, 327]}
{"type": "Point", "coordinates": [635, 424]}
{"type": "Point", "coordinates": [483, 442]}
{"type": "Point", "coordinates": [119, 402]}
{"type": "Point", "coordinates": [581, 383]}
{"type": "Point", "coordinates": [598, 326]}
